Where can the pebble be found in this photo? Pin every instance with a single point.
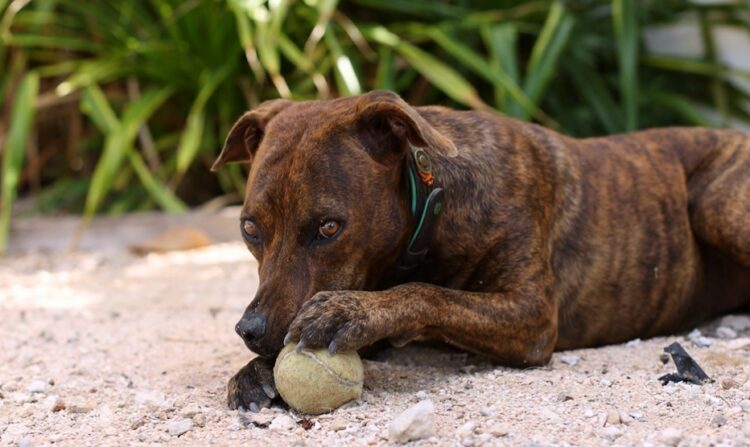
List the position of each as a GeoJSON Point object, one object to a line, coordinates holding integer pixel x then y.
{"type": "Point", "coordinates": [613, 417]}
{"type": "Point", "coordinates": [338, 424]}
{"type": "Point", "coordinates": [605, 382]}
{"type": "Point", "coordinates": [729, 384]}
{"type": "Point", "coordinates": [610, 433]}
{"type": "Point", "coordinates": [151, 398]}
{"type": "Point", "coordinates": [670, 436]}
{"type": "Point", "coordinates": [741, 343]}
{"type": "Point", "coordinates": [24, 442]}
{"type": "Point", "coordinates": [80, 408]}
{"type": "Point", "coordinates": [737, 322]}
{"type": "Point", "coordinates": [421, 395]}
{"type": "Point", "coordinates": [745, 405]}
{"type": "Point", "coordinates": [718, 421]}
{"type": "Point", "coordinates": [569, 359]}
{"type": "Point", "coordinates": [56, 404]}
{"type": "Point", "coordinates": [179, 427]}
{"type": "Point", "coordinates": [499, 429]}
{"type": "Point", "coordinates": [282, 422]}
{"type": "Point", "coordinates": [725, 333]}
{"type": "Point", "coordinates": [37, 386]}
{"type": "Point", "coordinates": [417, 422]}
{"type": "Point", "coordinates": [637, 415]}
{"type": "Point", "coordinates": [698, 339]}
{"type": "Point", "coordinates": [633, 343]}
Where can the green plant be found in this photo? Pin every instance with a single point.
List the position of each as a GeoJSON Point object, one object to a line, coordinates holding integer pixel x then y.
{"type": "Point", "coordinates": [149, 88]}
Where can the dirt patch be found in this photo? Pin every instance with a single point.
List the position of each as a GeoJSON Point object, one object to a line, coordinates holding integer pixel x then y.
{"type": "Point", "coordinates": [105, 348]}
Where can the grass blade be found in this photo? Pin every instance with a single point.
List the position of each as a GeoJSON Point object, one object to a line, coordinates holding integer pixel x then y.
{"type": "Point", "coordinates": [480, 66]}
{"type": "Point", "coordinates": [22, 119]}
{"type": "Point", "coordinates": [546, 51]}
{"type": "Point", "coordinates": [193, 134]}
{"type": "Point", "coordinates": [591, 87]}
{"type": "Point", "coordinates": [161, 195]}
{"type": "Point", "coordinates": [625, 19]}
{"type": "Point", "coordinates": [119, 140]}
{"type": "Point", "coordinates": [501, 41]}
{"type": "Point", "coordinates": [444, 77]}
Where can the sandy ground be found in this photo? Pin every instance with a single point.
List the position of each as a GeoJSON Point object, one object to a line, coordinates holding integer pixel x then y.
{"type": "Point", "coordinates": [104, 348]}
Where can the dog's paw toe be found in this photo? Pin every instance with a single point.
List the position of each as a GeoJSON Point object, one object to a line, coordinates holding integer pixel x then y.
{"type": "Point", "coordinates": [252, 388]}
{"type": "Point", "coordinates": [333, 320]}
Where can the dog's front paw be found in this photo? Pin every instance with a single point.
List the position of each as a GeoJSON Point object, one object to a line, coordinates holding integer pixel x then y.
{"type": "Point", "coordinates": [335, 320]}
{"type": "Point", "coordinates": [252, 388]}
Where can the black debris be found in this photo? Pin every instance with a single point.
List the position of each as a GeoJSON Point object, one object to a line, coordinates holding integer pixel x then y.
{"type": "Point", "coordinates": [687, 368]}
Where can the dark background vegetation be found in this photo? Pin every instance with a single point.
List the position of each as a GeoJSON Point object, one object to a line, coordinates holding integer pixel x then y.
{"type": "Point", "coordinates": [121, 105]}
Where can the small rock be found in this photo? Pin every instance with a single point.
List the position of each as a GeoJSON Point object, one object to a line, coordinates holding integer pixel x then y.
{"type": "Point", "coordinates": [737, 322]}
{"type": "Point", "coordinates": [261, 419]}
{"type": "Point", "coordinates": [718, 421]}
{"type": "Point", "coordinates": [729, 384]}
{"type": "Point", "coordinates": [670, 436]}
{"type": "Point", "coordinates": [637, 416]}
{"type": "Point", "coordinates": [697, 338]}
{"type": "Point", "coordinates": [633, 343]}
{"type": "Point", "coordinates": [80, 409]}
{"type": "Point", "coordinates": [605, 383]}
{"type": "Point", "coordinates": [421, 395]}
{"type": "Point", "coordinates": [24, 442]}
{"type": "Point", "coordinates": [726, 333]}
{"type": "Point", "coordinates": [741, 343]}
{"type": "Point", "coordinates": [664, 358]}
{"type": "Point", "coordinates": [610, 433]}
{"type": "Point", "coordinates": [151, 398]}
{"type": "Point", "coordinates": [745, 405]}
{"type": "Point", "coordinates": [486, 411]}
{"type": "Point", "coordinates": [613, 417]}
{"type": "Point", "coordinates": [138, 423]}
{"type": "Point", "coordinates": [338, 424]}
{"type": "Point", "coordinates": [282, 422]}
{"type": "Point", "coordinates": [58, 405]}
{"type": "Point", "coordinates": [179, 427]}
{"type": "Point", "coordinates": [569, 359]}
{"type": "Point", "coordinates": [417, 422]}
{"type": "Point", "coordinates": [199, 420]}
{"type": "Point", "coordinates": [37, 386]}
{"type": "Point", "coordinates": [499, 430]}
{"type": "Point", "coordinates": [588, 413]}
{"type": "Point", "coordinates": [467, 429]}
{"type": "Point", "coordinates": [550, 415]}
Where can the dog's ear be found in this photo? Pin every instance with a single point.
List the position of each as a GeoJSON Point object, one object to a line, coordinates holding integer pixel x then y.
{"type": "Point", "coordinates": [246, 134]}
{"type": "Point", "coordinates": [386, 121]}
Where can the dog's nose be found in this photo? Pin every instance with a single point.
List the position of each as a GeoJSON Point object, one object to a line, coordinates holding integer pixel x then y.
{"type": "Point", "coordinates": [251, 327]}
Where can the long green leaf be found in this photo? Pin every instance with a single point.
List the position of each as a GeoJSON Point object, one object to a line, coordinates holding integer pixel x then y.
{"type": "Point", "coordinates": [480, 66]}
{"type": "Point", "coordinates": [546, 51]}
{"type": "Point", "coordinates": [157, 191]}
{"type": "Point", "coordinates": [501, 41]}
{"type": "Point", "coordinates": [625, 18]}
{"type": "Point", "coordinates": [438, 73]}
{"type": "Point", "coordinates": [22, 119]}
{"type": "Point", "coordinates": [118, 142]}
{"type": "Point", "coordinates": [193, 134]}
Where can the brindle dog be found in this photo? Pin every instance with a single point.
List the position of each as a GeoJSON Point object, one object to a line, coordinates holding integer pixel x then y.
{"type": "Point", "coordinates": [544, 242]}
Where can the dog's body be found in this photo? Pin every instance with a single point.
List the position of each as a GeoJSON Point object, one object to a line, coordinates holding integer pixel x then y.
{"type": "Point", "coordinates": [544, 242]}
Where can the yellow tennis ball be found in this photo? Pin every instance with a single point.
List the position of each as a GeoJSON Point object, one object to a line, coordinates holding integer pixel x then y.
{"type": "Point", "coordinates": [315, 382]}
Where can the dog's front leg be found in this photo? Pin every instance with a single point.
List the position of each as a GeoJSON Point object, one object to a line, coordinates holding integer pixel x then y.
{"type": "Point", "coordinates": [516, 328]}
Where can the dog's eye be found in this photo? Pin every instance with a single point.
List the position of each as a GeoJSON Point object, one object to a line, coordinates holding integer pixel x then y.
{"type": "Point", "coordinates": [328, 229]}
{"type": "Point", "coordinates": [250, 231]}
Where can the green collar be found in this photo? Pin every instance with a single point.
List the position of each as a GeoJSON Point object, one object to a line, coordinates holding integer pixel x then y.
{"type": "Point", "coordinates": [426, 206]}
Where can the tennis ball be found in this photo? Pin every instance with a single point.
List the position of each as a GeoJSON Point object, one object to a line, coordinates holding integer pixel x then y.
{"type": "Point", "coordinates": [315, 382]}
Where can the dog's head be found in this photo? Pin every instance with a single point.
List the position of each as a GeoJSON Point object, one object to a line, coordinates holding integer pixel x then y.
{"type": "Point", "coordinates": [325, 206]}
